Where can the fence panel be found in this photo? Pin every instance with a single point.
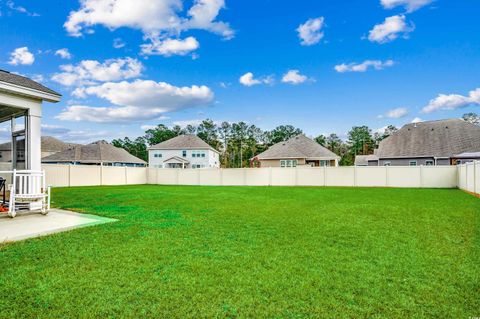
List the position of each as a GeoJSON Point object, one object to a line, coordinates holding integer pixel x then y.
{"type": "Point", "coordinates": [439, 177]}
{"type": "Point", "coordinates": [58, 175]}
{"type": "Point", "coordinates": [136, 175]}
{"type": "Point", "coordinates": [85, 175]}
{"type": "Point", "coordinates": [212, 177]}
{"type": "Point", "coordinates": [340, 176]}
{"type": "Point", "coordinates": [113, 175]}
{"type": "Point", "coordinates": [262, 177]}
{"type": "Point", "coordinates": [234, 177]}
{"type": "Point", "coordinates": [399, 176]}
{"type": "Point", "coordinates": [188, 177]}
{"type": "Point", "coordinates": [373, 176]}
{"type": "Point", "coordinates": [311, 176]}
{"type": "Point", "coordinates": [283, 176]}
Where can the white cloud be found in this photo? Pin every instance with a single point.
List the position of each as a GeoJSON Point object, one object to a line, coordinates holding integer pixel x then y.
{"type": "Point", "coordinates": [118, 43]}
{"type": "Point", "coordinates": [148, 127]}
{"type": "Point", "coordinates": [294, 77]}
{"type": "Point", "coordinates": [38, 78]}
{"type": "Point", "coordinates": [91, 71]}
{"type": "Point", "coordinates": [21, 56]}
{"type": "Point", "coordinates": [78, 136]}
{"type": "Point", "coordinates": [452, 101]}
{"type": "Point", "coordinates": [21, 9]}
{"type": "Point", "coordinates": [157, 19]}
{"type": "Point", "coordinates": [169, 47]}
{"type": "Point", "coordinates": [185, 123]}
{"type": "Point", "coordinates": [311, 32]}
{"type": "Point", "coordinates": [248, 80]}
{"type": "Point", "coordinates": [390, 29]}
{"type": "Point", "coordinates": [410, 5]}
{"type": "Point", "coordinates": [139, 100]}
{"type": "Point", "coordinates": [364, 66]}
{"type": "Point", "coordinates": [416, 120]}
{"type": "Point", "coordinates": [395, 113]}
{"type": "Point", "coordinates": [64, 53]}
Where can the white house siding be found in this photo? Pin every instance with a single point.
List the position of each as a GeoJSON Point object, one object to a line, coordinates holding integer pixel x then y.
{"type": "Point", "coordinates": [211, 159]}
{"type": "Point", "coordinates": [34, 116]}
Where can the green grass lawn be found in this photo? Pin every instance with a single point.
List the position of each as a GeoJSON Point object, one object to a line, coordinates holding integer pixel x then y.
{"type": "Point", "coordinates": [281, 252]}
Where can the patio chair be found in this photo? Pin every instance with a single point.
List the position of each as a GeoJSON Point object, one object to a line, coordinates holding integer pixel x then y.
{"type": "Point", "coordinates": [28, 188]}
{"type": "Point", "coordinates": [2, 189]}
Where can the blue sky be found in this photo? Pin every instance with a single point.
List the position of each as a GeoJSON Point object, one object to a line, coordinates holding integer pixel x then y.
{"type": "Point", "coordinates": [373, 62]}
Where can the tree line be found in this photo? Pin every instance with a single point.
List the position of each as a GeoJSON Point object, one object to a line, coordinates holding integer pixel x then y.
{"type": "Point", "coordinates": [239, 142]}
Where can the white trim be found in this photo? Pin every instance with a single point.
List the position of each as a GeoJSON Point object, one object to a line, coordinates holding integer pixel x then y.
{"type": "Point", "coordinates": [21, 90]}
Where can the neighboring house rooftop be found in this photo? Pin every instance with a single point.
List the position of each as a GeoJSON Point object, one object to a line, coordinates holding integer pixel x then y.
{"type": "Point", "coordinates": [299, 146]}
{"type": "Point", "coordinates": [98, 152]}
{"type": "Point", "coordinates": [183, 142]}
{"type": "Point", "coordinates": [362, 160]}
{"type": "Point", "coordinates": [23, 81]}
{"type": "Point", "coordinates": [468, 155]}
{"type": "Point", "coordinates": [49, 144]}
{"type": "Point", "coordinates": [443, 138]}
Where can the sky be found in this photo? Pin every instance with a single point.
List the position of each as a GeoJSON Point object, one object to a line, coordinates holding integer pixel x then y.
{"type": "Point", "coordinates": [123, 66]}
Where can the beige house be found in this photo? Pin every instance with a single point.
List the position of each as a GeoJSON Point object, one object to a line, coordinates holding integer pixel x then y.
{"type": "Point", "coordinates": [297, 151]}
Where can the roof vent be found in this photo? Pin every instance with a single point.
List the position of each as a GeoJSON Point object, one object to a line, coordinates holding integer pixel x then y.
{"type": "Point", "coordinates": [433, 129]}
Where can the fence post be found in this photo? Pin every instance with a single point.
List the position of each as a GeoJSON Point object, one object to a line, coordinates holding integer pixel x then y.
{"type": "Point", "coordinates": [244, 176]}
{"type": "Point", "coordinates": [101, 174]}
{"type": "Point", "coordinates": [324, 176]}
{"type": "Point", "coordinates": [474, 177]}
{"type": "Point", "coordinates": [221, 176]}
{"type": "Point", "coordinates": [421, 176]}
{"type": "Point", "coordinates": [354, 175]}
{"type": "Point", "coordinates": [386, 176]}
{"type": "Point", "coordinates": [198, 177]}
{"type": "Point", "coordinates": [69, 175]}
{"type": "Point", "coordinates": [126, 176]}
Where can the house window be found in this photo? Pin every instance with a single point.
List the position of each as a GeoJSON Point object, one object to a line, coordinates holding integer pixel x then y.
{"type": "Point", "coordinates": [413, 163]}
{"type": "Point", "coordinates": [184, 153]}
{"type": "Point", "coordinates": [288, 163]}
{"type": "Point", "coordinates": [387, 164]}
{"type": "Point", "coordinates": [429, 163]}
{"type": "Point", "coordinates": [157, 155]}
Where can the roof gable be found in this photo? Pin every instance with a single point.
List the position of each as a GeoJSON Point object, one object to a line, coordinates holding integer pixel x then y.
{"type": "Point", "coordinates": [183, 142]}
{"type": "Point", "coordinates": [299, 146]}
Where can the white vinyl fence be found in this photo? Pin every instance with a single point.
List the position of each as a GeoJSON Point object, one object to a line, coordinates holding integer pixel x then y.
{"type": "Point", "coordinates": [92, 175]}
{"type": "Point", "coordinates": [383, 176]}
{"type": "Point", "coordinates": [469, 177]}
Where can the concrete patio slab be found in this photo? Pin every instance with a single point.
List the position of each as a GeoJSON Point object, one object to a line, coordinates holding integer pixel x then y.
{"type": "Point", "coordinates": [34, 225]}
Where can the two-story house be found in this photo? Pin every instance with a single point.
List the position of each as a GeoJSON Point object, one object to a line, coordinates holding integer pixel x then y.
{"type": "Point", "coordinates": [183, 151]}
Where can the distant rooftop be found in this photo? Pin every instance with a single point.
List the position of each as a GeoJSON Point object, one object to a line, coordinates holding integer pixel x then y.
{"type": "Point", "coordinates": [94, 153]}
{"type": "Point", "coordinates": [442, 138]}
{"type": "Point", "coordinates": [299, 146]}
{"type": "Point", "coordinates": [183, 142]}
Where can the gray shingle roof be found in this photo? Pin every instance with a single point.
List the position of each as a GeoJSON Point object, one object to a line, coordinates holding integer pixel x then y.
{"type": "Point", "coordinates": [183, 142]}
{"type": "Point", "coordinates": [299, 146]}
{"type": "Point", "coordinates": [443, 138]}
{"type": "Point", "coordinates": [49, 144]}
{"type": "Point", "coordinates": [98, 152]}
{"type": "Point", "coordinates": [16, 79]}
{"type": "Point", "coordinates": [364, 159]}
